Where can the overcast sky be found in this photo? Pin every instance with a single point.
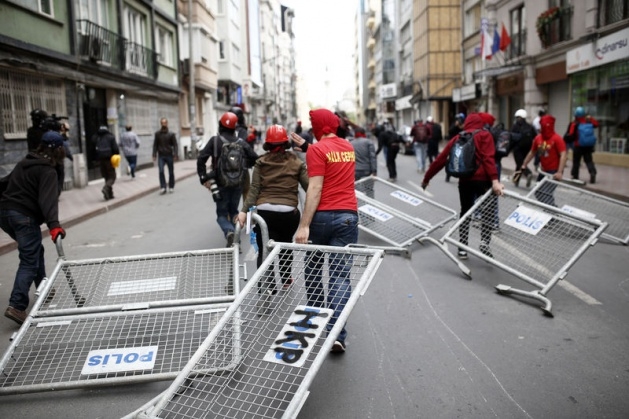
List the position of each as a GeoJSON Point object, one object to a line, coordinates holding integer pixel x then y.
{"type": "Point", "coordinates": [324, 36]}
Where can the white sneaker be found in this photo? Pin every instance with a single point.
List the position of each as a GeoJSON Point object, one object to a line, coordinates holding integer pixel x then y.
{"type": "Point", "coordinates": [162, 191]}
{"type": "Point", "coordinates": [338, 347]}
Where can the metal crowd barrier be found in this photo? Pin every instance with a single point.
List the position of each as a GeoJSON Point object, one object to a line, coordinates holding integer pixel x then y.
{"type": "Point", "coordinates": [120, 320]}
{"type": "Point", "coordinates": [575, 200]}
{"type": "Point", "coordinates": [286, 332]}
{"type": "Point", "coordinates": [396, 215]}
{"type": "Point", "coordinates": [533, 241]}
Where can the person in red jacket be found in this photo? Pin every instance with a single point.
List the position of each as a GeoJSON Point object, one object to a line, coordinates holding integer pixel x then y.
{"type": "Point", "coordinates": [582, 147]}
{"type": "Point", "coordinates": [551, 150]}
{"type": "Point", "coordinates": [485, 177]}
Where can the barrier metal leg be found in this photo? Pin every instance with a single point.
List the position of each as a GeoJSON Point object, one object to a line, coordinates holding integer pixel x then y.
{"type": "Point", "coordinates": [447, 252]}
{"type": "Point", "coordinates": [536, 295]}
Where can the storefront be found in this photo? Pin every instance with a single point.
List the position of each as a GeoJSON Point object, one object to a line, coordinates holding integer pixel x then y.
{"type": "Point", "coordinates": [599, 82]}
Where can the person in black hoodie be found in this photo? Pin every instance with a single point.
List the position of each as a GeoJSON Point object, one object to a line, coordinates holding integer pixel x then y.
{"type": "Point", "coordinates": [30, 199]}
{"type": "Point", "coordinates": [106, 146]}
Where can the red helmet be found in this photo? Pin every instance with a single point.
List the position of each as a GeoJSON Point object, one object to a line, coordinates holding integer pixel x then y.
{"type": "Point", "coordinates": [276, 134]}
{"type": "Point", "coordinates": [229, 120]}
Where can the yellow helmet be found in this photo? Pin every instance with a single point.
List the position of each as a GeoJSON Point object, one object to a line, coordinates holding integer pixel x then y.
{"type": "Point", "coordinates": [115, 160]}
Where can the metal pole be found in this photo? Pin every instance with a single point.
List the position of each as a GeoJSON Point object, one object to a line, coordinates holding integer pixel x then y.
{"type": "Point", "coordinates": [191, 93]}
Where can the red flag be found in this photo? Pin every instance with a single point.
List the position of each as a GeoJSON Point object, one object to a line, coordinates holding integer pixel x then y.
{"type": "Point", "coordinates": [505, 40]}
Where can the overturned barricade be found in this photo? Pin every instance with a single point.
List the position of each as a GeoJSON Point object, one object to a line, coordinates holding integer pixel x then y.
{"type": "Point", "coordinates": [533, 241]}
{"type": "Point", "coordinates": [588, 204]}
{"type": "Point", "coordinates": [289, 315]}
{"type": "Point", "coordinates": [396, 215]}
{"type": "Point", "coordinates": [120, 320]}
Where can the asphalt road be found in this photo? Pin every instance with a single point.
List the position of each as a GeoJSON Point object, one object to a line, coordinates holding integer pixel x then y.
{"type": "Point", "coordinates": [424, 341]}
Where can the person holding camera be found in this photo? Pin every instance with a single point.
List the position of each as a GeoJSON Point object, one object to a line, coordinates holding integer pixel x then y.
{"type": "Point", "coordinates": [274, 192]}
{"type": "Point", "coordinates": [231, 156]}
{"type": "Point", "coordinates": [30, 199]}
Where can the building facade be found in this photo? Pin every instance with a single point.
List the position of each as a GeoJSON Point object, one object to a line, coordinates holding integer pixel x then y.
{"type": "Point", "coordinates": [111, 63]}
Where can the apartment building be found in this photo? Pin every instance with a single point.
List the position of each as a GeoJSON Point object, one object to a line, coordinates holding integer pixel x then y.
{"type": "Point", "coordinates": [198, 41]}
{"type": "Point", "coordinates": [97, 63]}
{"type": "Point", "coordinates": [562, 54]}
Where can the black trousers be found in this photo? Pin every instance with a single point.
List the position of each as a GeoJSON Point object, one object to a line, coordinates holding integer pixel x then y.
{"type": "Point", "coordinates": [391, 167]}
{"type": "Point", "coordinates": [586, 154]}
{"type": "Point", "coordinates": [469, 191]}
{"type": "Point", "coordinates": [282, 227]}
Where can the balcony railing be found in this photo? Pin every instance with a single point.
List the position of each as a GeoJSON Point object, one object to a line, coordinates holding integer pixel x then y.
{"type": "Point", "coordinates": [558, 29]}
{"type": "Point", "coordinates": [102, 46]}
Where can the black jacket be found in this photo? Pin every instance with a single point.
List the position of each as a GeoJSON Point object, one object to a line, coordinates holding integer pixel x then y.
{"type": "Point", "coordinates": [105, 143]}
{"type": "Point", "coordinates": [32, 190]}
{"type": "Point", "coordinates": [213, 150]}
{"type": "Point", "coordinates": [165, 144]}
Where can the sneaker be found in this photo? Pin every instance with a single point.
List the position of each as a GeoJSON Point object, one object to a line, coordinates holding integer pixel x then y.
{"type": "Point", "coordinates": [338, 347]}
{"type": "Point", "coordinates": [593, 178]}
{"type": "Point", "coordinates": [529, 180]}
{"type": "Point", "coordinates": [162, 191]}
{"type": "Point", "coordinates": [171, 190]}
{"type": "Point", "coordinates": [105, 194]}
{"type": "Point", "coordinates": [485, 250]}
{"type": "Point", "coordinates": [18, 316]}
{"type": "Point", "coordinates": [230, 239]}
{"type": "Point", "coordinates": [128, 170]}
{"type": "Point", "coordinates": [462, 254]}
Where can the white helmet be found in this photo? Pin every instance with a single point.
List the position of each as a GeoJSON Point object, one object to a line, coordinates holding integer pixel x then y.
{"type": "Point", "coordinates": [429, 119]}
{"type": "Point", "coordinates": [521, 113]}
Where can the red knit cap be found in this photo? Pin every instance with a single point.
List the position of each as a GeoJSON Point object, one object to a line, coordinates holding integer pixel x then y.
{"type": "Point", "coordinates": [323, 122]}
{"type": "Point", "coordinates": [487, 118]}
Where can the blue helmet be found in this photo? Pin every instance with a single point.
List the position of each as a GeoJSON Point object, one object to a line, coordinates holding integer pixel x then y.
{"type": "Point", "coordinates": [579, 112]}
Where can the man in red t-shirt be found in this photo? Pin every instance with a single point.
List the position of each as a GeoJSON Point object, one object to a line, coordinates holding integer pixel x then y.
{"type": "Point", "coordinates": [330, 215]}
{"type": "Point", "coordinates": [551, 150]}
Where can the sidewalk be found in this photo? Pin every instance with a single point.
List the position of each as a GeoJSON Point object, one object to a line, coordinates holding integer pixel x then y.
{"type": "Point", "coordinates": [77, 205]}
{"type": "Point", "coordinates": [611, 181]}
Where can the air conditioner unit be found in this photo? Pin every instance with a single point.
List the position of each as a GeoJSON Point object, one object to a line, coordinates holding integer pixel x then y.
{"type": "Point", "coordinates": [185, 67]}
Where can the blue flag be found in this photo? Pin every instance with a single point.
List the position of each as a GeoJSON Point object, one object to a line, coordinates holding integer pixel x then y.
{"type": "Point", "coordinates": [495, 47]}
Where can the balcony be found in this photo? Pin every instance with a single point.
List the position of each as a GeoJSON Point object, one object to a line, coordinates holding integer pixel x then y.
{"type": "Point", "coordinates": [100, 45]}
{"type": "Point", "coordinates": [554, 26]}
{"type": "Point", "coordinates": [371, 42]}
{"type": "Point", "coordinates": [372, 64]}
{"type": "Point", "coordinates": [107, 48]}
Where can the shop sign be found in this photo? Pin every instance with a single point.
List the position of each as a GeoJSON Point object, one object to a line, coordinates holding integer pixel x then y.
{"type": "Point", "coordinates": [605, 50]}
{"type": "Point", "coordinates": [403, 103]}
{"type": "Point", "coordinates": [469, 91]}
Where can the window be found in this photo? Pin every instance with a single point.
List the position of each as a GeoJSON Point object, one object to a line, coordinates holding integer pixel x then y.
{"type": "Point", "coordinates": [220, 7]}
{"type": "Point", "coordinates": [45, 7]}
{"type": "Point", "coordinates": [134, 25]}
{"type": "Point", "coordinates": [164, 46]}
{"type": "Point", "coordinates": [21, 93]}
{"type": "Point", "coordinates": [612, 11]}
{"type": "Point", "coordinates": [221, 50]}
{"type": "Point", "coordinates": [471, 25]}
{"type": "Point", "coordinates": [94, 11]}
{"type": "Point", "coordinates": [518, 32]}
{"type": "Point", "coordinates": [236, 54]}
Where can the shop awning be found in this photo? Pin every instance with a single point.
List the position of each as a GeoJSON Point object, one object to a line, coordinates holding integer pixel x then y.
{"type": "Point", "coordinates": [497, 71]}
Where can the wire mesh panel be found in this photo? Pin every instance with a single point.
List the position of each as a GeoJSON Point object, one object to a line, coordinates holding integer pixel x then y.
{"type": "Point", "coordinates": [104, 348]}
{"type": "Point", "coordinates": [150, 280]}
{"type": "Point", "coordinates": [287, 329]}
{"type": "Point", "coordinates": [429, 213]}
{"type": "Point", "coordinates": [580, 201]}
{"type": "Point", "coordinates": [534, 241]}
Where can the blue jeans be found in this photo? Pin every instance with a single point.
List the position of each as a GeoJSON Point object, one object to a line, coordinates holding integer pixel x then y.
{"type": "Point", "coordinates": [420, 155]}
{"type": "Point", "coordinates": [133, 161]}
{"type": "Point", "coordinates": [227, 208]}
{"type": "Point", "coordinates": [166, 160]}
{"type": "Point", "coordinates": [331, 228]}
{"type": "Point", "coordinates": [32, 268]}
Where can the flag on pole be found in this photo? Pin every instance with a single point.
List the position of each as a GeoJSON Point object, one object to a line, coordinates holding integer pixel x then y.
{"type": "Point", "coordinates": [495, 47]}
{"type": "Point", "coordinates": [485, 40]}
{"type": "Point", "coordinates": [505, 39]}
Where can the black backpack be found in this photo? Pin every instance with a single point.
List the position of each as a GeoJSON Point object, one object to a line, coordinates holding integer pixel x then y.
{"type": "Point", "coordinates": [462, 157]}
{"type": "Point", "coordinates": [231, 165]}
{"type": "Point", "coordinates": [103, 146]}
{"type": "Point", "coordinates": [502, 140]}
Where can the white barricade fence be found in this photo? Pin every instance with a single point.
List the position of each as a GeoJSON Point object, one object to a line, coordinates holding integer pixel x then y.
{"type": "Point", "coordinates": [533, 241]}
{"type": "Point", "coordinates": [287, 328]}
{"type": "Point", "coordinates": [122, 320]}
{"type": "Point", "coordinates": [575, 200]}
{"type": "Point", "coordinates": [396, 215]}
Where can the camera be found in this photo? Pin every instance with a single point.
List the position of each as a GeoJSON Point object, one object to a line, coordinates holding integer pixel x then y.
{"type": "Point", "coordinates": [52, 123]}
{"type": "Point", "coordinates": [211, 177]}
